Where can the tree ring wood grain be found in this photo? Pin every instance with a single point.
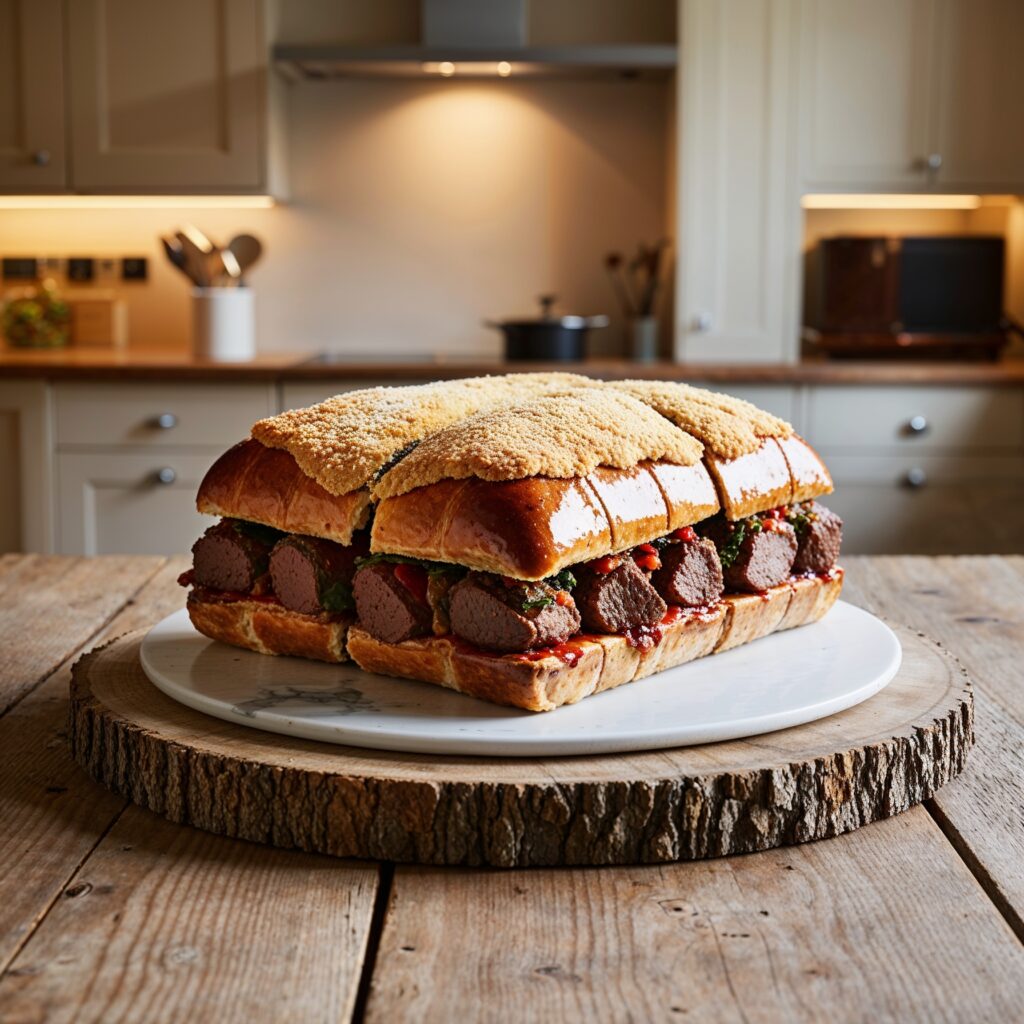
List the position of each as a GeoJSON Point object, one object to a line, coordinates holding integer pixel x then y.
{"type": "Point", "coordinates": [792, 786]}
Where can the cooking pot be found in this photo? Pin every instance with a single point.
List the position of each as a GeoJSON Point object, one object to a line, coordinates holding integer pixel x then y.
{"type": "Point", "coordinates": [557, 338]}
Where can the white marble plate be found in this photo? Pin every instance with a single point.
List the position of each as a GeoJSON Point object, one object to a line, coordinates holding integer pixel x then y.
{"type": "Point", "coordinates": [783, 680]}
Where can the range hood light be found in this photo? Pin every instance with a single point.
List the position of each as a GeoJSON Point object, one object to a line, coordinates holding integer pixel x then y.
{"type": "Point", "coordinates": [446, 68]}
{"type": "Point", "coordinates": [504, 68]}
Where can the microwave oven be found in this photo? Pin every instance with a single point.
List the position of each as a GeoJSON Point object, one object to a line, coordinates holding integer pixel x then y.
{"type": "Point", "coordinates": [940, 294]}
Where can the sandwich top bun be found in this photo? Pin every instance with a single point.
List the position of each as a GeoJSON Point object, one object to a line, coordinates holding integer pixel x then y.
{"type": "Point", "coordinates": [264, 485]}
{"type": "Point", "coordinates": [560, 436]}
{"type": "Point", "coordinates": [344, 442]}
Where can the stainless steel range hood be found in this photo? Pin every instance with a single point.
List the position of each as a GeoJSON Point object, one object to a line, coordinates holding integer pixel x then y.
{"type": "Point", "coordinates": [475, 39]}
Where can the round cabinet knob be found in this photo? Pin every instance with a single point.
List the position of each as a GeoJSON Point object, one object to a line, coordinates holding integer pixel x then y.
{"type": "Point", "coordinates": [701, 323]}
{"type": "Point", "coordinates": [165, 421]}
{"type": "Point", "coordinates": [934, 161]}
{"type": "Point", "coordinates": [41, 158]}
{"type": "Point", "coordinates": [916, 426]}
{"type": "Point", "coordinates": [916, 478]}
{"type": "Point", "coordinates": [165, 475]}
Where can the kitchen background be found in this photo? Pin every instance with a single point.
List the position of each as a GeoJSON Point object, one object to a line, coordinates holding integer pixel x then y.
{"type": "Point", "coordinates": [401, 203]}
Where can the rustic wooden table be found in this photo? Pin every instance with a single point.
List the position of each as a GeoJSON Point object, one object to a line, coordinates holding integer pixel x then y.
{"type": "Point", "coordinates": [108, 912]}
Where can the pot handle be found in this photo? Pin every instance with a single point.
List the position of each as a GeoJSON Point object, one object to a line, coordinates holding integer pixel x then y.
{"type": "Point", "coordinates": [597, 321]}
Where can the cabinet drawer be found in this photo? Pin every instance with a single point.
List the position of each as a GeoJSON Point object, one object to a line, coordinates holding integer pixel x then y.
{"type": "Point", "coordinates": [181, 415]}
{"type": "Point", "coordinates": [298, 396]}
{"type": "Point", "coordinates": [116, 503]}
{"type": "Point", "coordinates": [929, 504]}
{"type": "Point", "coordinates": [915, 418]}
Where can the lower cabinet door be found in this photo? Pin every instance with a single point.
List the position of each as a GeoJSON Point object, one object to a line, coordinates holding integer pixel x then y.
{"type": "Point", "coordinates": [129, 504]}
{"type": "Point", "coordinates": [932, 505]}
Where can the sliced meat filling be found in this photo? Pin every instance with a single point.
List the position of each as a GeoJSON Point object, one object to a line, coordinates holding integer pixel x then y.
{"type": "Point", "coordinates": [312, 575]}
{"type": "Point", "coordinates": [233, 555]}
{"type": "Point", "coordinates": [614, 595]}
{"type": "Point", "coordinates": [819, 534]}
{"type": "Point", "coordinates": [508, 615]}
{"type": "Point", "coordinates": [756, 553]}
{"type": "Point", "coordinates": [690, 573]}
{"type": "Point", "coordinates": [391, 601]}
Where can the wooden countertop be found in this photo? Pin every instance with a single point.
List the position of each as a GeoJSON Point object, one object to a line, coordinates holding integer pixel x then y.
{"type": "Point", "coordinates": [84, 364]}
{"type": "Point", "coordinates": [108, 911]}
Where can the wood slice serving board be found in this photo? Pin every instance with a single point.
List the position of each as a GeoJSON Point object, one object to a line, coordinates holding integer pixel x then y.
{"type": "Point", "coordinates": [792, 786]}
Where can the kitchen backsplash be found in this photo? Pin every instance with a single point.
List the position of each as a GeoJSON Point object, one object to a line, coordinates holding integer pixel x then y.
{"type": "Point", "coordinates": [416, 211]}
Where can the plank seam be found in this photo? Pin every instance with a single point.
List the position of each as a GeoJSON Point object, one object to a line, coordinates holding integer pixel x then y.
{"type": "Point", "coordinates": [981, 874]}
{"type": "Point", "coordinates": [61, 889]}
{"type": "Point", "coordinates": [78, 651]}
{"type": "Point", "coordinates": [385, 885]}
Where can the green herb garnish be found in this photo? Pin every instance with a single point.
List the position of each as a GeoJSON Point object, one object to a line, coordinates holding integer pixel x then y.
{"type": "Point", "coordinates": [337, 598]}
{"type": "Point", "coordinates": [257, 531]}
{"type": "Point", "coordinates": [537, 602]}
{"type": "Point", "coordinates": [563, 580]}
{"type": "Point", "coordinates": [431, 568]}
{"type": "Point", "coordinates": [730, 550]}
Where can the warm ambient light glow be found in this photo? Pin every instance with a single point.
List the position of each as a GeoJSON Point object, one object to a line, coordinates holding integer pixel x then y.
{"type": "Point", "coordinates": [136, 202]}
{"type": "Point", "coordinates": [467, 68]}
{"type": "Point", "coordinates": [906, 201]}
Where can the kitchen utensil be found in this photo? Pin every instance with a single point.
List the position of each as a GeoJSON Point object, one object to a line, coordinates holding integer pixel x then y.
{"type": "Point", "coordinates": [229, 266]}
{"type": "Point", "coordinates": [247, 249]}
{"type": "Point", "coordinates": [549, 338]}
{"type": "Point", "coordinates": [196, 263]}
{"type": "Point", "coordinates": [175, 254]}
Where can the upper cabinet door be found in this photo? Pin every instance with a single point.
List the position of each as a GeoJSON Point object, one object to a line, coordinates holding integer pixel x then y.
{"type": "Point", "coordinates": [979, 131]}
{"type": "Point", "coordinates": [167, 96]}
{"type": "Point", "coordinates": [32, 96]}
{"type": "Point", "coordinates": [867, 73]}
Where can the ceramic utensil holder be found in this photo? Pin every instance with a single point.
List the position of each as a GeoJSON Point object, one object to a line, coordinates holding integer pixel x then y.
{"type": "Point", "coordinates": [223, 326]}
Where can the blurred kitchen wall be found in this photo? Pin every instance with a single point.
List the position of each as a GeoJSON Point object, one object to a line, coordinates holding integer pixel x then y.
{"type": "Point", "coordinates": [417, 208]}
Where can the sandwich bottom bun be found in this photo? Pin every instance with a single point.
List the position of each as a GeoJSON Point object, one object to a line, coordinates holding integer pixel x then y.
{"type": "Point", "coordinates": [270, 628]}
{"type": "Point", "coordinates": [547, 679]}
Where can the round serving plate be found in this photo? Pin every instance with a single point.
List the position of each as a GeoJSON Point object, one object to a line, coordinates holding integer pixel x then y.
{"type": "Point", "coordinates": [784, 680]}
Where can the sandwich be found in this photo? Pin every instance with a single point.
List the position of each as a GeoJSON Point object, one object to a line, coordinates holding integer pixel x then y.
{"type": "Point", "coordinates": [528, 539]}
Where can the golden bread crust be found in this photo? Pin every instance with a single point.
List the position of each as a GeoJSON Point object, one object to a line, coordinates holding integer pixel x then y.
{"type": "Point", "coordinates": [728, 427]}
{"type": "Point", "coordinates": [343, 442]}
{"type": "Point", "coordinates": [751, 483]}
{"type": "Point", "coordinates": [556, 436]}
{"type": "Point", "coordinates": [535, 527]}
{"type": "Point", "coordinates": [547, 682]}
{"type": "Point", "coordinates": [270, 628]}
{"type": "Point", "coordinates": [265, 485]}
{"type": "Point", "coordinates": [807, 472]}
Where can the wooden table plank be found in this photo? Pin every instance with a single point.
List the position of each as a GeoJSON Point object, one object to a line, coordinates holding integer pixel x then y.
{"type": "Point", "coordinates": [976, 607]}
{"type": "Point", "coordinates": [886, 923]}
{"type": "Point", "coordinates": [51, 606]}
{"type": "Point", "coordinates": [165, 923]}
{"type": "Point", "coordinates": [52, 813]}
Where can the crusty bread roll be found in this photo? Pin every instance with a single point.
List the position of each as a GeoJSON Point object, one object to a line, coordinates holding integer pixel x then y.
{"type": "Point", "coordinates": [265, 485]}
{"type": "Point", "coordinates": [269, 628]}
{"type": "Point", "coordinates": [544, 681]}
{"type": "Point", "coordinates": [535, 527]}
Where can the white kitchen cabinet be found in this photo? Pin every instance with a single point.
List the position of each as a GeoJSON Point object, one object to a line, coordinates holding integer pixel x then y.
{"type": "Point", "coordinates": [26, 458]}
{"type": "Point", "coordinates": [914, 419]}
{"type": "Point", "coordinates": [928, 504]}
{"type": "Point", "coordinates": [167, 96]}
{"type": "Point", "coordinates": [738, 209]}
{"type": "Point", "coordinates": [159, 415]}
{"type": "Point", "coordinates": [867, 73]}
{"type": "Point", "coordinates": [979, 130]}
{"type": "Point", "coordinates": [32, 129]}
{"type": "Point", "coordinates": [130, 458]}
{"type": "Point", "coordinates": [127, 503]}
{"type": "Point", "coordinates": [911, 95]}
